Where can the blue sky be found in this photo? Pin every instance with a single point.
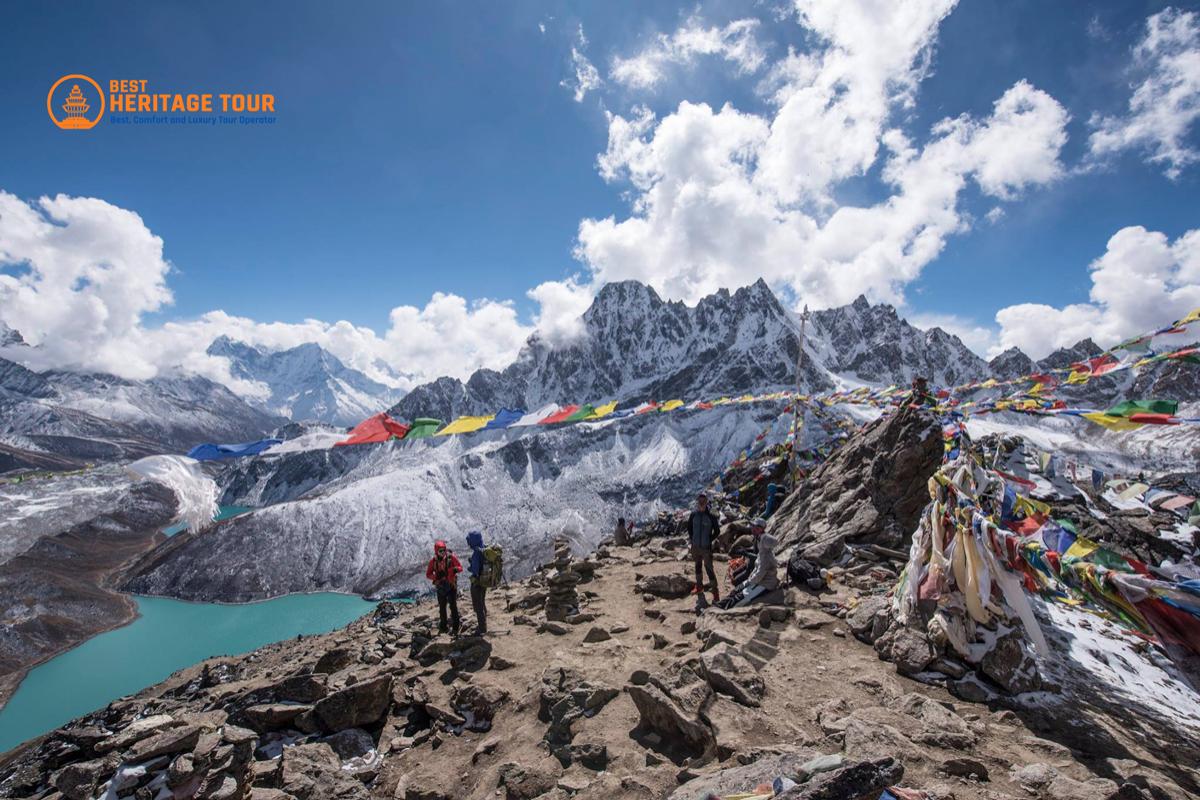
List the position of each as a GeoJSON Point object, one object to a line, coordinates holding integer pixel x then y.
{"type": "Point", "coordinates": [426, 148]}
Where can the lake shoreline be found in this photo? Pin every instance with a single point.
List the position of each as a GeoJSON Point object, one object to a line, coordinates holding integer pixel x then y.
{"type": "Point", "coordinates": [168, 635]}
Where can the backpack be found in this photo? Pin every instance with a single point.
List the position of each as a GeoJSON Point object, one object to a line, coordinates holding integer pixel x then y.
{"type": "Point", "coordinates": [491, 574]}
{"type": "Point", "coordinates": [802, 572]}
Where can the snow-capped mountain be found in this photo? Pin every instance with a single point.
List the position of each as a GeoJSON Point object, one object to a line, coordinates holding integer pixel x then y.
{"type": "Point", "coordinates": [81, 417]}
{"type": "Point", "coordinates": [306, 382]}
{"type": "Point", "coordinates": [9, 337]}
{"type": "Point", "coordinates": [1012, 363]}
{"type": "Point", "coordinates": [873, 344]}
{"type": "Point", "coordinates": [362, 519]}
{"type": "Point", "coordinates": [636, 346]}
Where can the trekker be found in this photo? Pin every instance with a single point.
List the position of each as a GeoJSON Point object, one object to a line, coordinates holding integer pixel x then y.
{"type": "Point", "coordinates": [621, 535]}
{"type": "Point", "coordinates": [443, 571]}
{"type": "Point", "coordinates": [762, 579]}
{"type": "Point", "coordinates": [478, 590]}
{"type": "Point", "coordinates": [703, 529]}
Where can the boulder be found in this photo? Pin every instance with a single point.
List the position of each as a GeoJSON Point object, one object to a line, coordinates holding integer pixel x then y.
{"type": "Point", "coordinates": [964, 768]}
{"type": "Point", "coordinates": [862, 779]}
{"type": "Point", "coordinates": [173, 740]}
{"type": "Point", "coordinates": [869, 618]}
{"type": "Point", "coordinates": [499, 663]}
{"type": "Point", "coordinates": [729, 673]}
{"type": "Point", "coordinates": [314, 772]}
{"type": "Point", "coordinates": [1009, 665]}
{"type": "Point", "coordinates": [940, 726]}
{"type": "Point", "coordinates": [908, 649]}
{"type": "Point", "coordinates": [871, 491]}
{"type": "Point", "coordinates": [670, 587]}
{"type": "Point", "coordinates": [524, 782]}
{"type": "Point", "coordinates": [590, 755]}
{"type": "Point", "coordinates": [564, 697]}
{"type": "Point", "coordinates": [335, 659]}
{"type": "Point", "coordinates": [479, 702]}
{"type": "Point", "coordinates": [271, 716]}
{"type": "Point", "coordinates": [78, 781]}
{"type": "Point", "coordinates": [300, 688]}
{"type": "Point", "coordinates": [672, 705]}
{"type": "Point", "coordinates": [135, 731]}
{"type": "Point", "coordinates": [735, 780]}
{"type": "Point", "coordinates": [350, 743]}
{"type": "Point", "coordinates": [597, 634]}
{"type": "Point", "coordinates": [355, 706]}
{"type": "Point", "coordinates": [445, 715]}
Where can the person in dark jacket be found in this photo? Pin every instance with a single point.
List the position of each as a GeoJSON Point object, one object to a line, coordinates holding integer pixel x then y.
{"type": "Point", "coordinates": [621, 535]}
{"type": "Point", "coordinates": [703, 528]}
{"type": "Point", "coordinates": [443, 571]}
{"type": "Point", "coordinates": [475, 567]}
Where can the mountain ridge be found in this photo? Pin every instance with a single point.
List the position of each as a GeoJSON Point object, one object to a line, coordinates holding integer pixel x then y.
{"type": "Point", "coordinates": [636, 346]}
{"type": "Point", "coordinates": [306, 382]}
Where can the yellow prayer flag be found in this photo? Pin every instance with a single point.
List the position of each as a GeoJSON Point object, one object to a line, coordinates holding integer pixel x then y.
{"type": "Point", "coordinates": [604, 410]}
{"type": "Point", "coordinates": [1111, 422]}
{"type": "Point", "coordinates": [465, 425]}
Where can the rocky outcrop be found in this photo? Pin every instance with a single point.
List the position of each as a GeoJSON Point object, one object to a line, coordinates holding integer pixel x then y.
{"type": "Point", "coordinates": [871, 492]}
{"type": "Point", "coordinates": [566, 696]}
{"type": "Point", "coordinates": [672, 705]}
{"type": "Point", "coordinates": [730, 673]}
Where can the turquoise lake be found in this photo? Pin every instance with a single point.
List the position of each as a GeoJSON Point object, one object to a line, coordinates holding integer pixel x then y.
{"type": "Point", "coordinates": [168, 636]}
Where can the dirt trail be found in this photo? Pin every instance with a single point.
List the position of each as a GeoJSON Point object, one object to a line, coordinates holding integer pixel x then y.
{"type": "Point", "coordinates": [822, 693]}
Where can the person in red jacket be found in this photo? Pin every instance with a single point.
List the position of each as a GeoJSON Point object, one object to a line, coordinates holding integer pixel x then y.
{"type": "Point", "coordinates": [443, 571]}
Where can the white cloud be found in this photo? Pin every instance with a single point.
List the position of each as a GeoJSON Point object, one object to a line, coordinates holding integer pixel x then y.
{"type": "Point", "coordinates": [561, 305]}
{"type": "Point", "coordinates": [834, 101]}
{"type": "Point", "coordinates": [586, 77]}
{"type": "Point", "coordinates": [87, 272]}
{"type": "Point", "coordinates": [82, 273]}
{"type": "Point", "coordinates": [1141, 280]}
{"type": "Point", "coordinates": [1166, 103]}
{"type": "Point", "coordinates": [735, 43]}
{"type": "Point", "coordinates": [708, 211]}
{"type": "Point", "coordinates": [720, 197]}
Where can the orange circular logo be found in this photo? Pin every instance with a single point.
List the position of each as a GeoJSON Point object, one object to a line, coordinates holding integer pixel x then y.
{"type": "Point", "coordinates": [79, 101]}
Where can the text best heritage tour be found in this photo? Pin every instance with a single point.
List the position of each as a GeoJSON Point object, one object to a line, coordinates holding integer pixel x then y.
{"type": "Point", "coordinates": [130, 96]}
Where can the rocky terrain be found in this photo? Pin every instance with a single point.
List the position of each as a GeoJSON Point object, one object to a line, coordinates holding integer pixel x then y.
{"type": "Point", "coordinates": [60, 590]}
{"type": "Point", "coordinates": [631, 695]}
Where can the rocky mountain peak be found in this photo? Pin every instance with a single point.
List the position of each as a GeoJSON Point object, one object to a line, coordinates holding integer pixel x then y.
{"type": "Point", "coordinates": [1066, 356]}
{"type": "Point", "coordinates": [10, 337]}
{"type": "Point", "coordinates": [306, 382]}
{"type": "Point", "coordinates": [1012, 363]}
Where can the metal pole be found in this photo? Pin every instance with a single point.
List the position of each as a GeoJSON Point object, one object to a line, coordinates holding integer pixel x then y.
{"type": "Point", "coordinates": [796, 399]}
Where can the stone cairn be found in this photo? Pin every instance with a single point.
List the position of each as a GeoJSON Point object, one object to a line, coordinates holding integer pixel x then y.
{"type": "Point", "coordinates": [561, 599]}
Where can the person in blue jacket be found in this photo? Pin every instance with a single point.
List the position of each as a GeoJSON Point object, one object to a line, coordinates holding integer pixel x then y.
{"type": "Point", "coordinates": [475, 567]}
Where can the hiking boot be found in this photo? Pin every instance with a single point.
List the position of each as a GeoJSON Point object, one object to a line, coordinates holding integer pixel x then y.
{"type": "Point", "coordinates": [716, 596]}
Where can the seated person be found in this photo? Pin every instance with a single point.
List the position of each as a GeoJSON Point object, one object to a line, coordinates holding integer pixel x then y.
{"type": "Point", "coordinates": [762, 579]}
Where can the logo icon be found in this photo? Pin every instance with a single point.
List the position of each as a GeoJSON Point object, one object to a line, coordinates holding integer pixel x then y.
{"type": "Point", "coordinates": [75, 103]}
